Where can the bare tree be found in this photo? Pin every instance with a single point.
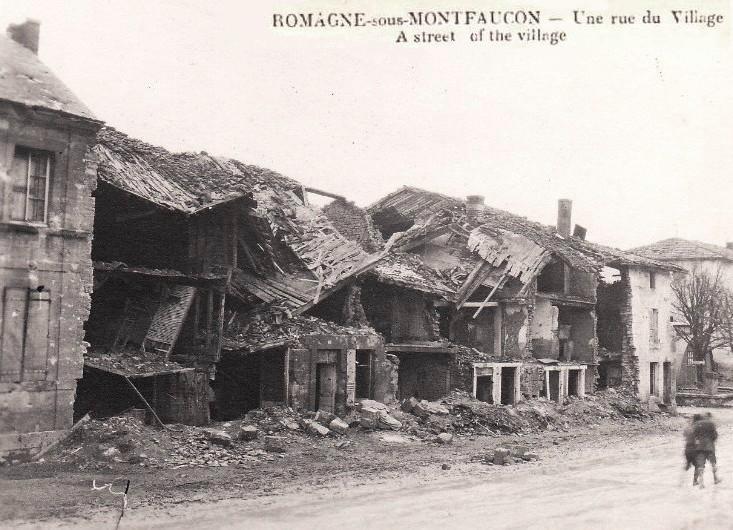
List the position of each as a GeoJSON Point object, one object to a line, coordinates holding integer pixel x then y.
{"type": "Point", "coordinates": [705, 304]}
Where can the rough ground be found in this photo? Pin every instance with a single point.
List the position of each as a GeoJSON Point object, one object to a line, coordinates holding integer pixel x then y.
{"type": "Point", "coordinates": [392, 469]}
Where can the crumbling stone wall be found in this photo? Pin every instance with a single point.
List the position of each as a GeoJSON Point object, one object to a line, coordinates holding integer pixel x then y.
{"type": "Point", "coordinates": [515, 329]}
{"type": "Point", "coordinates": [354, 224]}
{"type": "Point", "coordinates": [54, 259]}
{"type": "Point", "coordinates": [532, 380]}
{"type": "Point", "coordinates": [629, 359]}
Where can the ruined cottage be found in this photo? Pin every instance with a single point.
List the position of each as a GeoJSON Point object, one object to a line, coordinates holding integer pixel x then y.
{"type": "Point", "coordinates": [45, 236]}
{"type": "Point", "coordinates": [528, 301]}
{"type": "Point", "coordinates": [207, 271]}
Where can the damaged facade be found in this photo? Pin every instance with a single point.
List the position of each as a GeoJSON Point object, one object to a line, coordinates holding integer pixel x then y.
{"type": "Point", "coordinates": [214, 266]}
{"type": "Point", "coordinates": [528, 300]}
{"type": "Point", "coordinates": [45, 236]}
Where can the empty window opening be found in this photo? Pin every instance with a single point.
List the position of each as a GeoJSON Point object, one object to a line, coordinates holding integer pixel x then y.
{"type": "Point", "coordinates": [485, 388]}
{"type": "Point", "coordinates": [573, 382]}
{"type": "Point", "coordinates": [444, 322]}
{"type": "Point", "coordinates": [507, 385]}
{"type": "Point", "coordinates": [653, 386]}
{"type": "Point", "coordinates": [363, 374]}
{"type": "Point", "coordinates": [552, 279]}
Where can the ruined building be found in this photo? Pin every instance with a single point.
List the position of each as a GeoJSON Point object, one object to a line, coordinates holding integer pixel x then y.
{"type": "Point", "coordinates": [208, 273]}
{"type": "Point", "coordinates": [45, 238]}
{"type": "Point", "coordinates": [525, 305]}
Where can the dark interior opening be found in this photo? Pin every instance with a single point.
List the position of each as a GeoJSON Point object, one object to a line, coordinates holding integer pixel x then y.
{"type": "Point", "coordinates": [102, 394]}
{"type": "Point", "coordinates": [507, 385]}
{"type": "Point", "coordinates": [485, 388]}
{"type": "Point", "coordinates": [554, 390]}
{"type": "Point", "coordinates": [552, 278]}
{"type": "Point", "coordinates": [573, 382]}
{"type": "Point", "coordinates": [363, 374]}
{"type": "Point", "coordinates": [248, 381]}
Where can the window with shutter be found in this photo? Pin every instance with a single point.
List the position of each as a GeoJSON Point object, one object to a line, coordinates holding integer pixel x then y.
{"type": "Point", "coordinates": [25, 328]}
{"type": "Point", "coordinates": [13, 330]}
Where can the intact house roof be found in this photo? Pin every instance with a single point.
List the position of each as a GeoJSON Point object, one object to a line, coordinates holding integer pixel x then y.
{"type": "Point", "coordinates": [683, 249]}
{"type": "Point", "coordinates": [190, 183]}
{"type": "Point", "coordinates": [24, 79]}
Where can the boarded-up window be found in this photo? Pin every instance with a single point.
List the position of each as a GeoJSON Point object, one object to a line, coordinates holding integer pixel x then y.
{"type": "Point", "coordinates": [654, 326]}
{"type": "Point", "coordinates": [25, 328]}
{"type": "Point", "coordinates": [30, 175]}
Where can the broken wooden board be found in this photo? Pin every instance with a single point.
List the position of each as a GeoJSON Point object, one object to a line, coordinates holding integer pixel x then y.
{"type": "Point", "coordinates": [168, 319]}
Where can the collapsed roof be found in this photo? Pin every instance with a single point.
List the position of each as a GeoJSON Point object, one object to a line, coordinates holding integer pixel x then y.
{"type": "Point", "coordinates": [424, 214]}
{"type": "Point", "coordinates": [272, 329]}
{"type": "Point", "coordinates": [189, 183]}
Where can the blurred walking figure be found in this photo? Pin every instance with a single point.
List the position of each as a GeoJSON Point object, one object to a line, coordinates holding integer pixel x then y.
{"type": "Point", "coordinates": [690, 453]}
{"type": "Point", "coordinates": [704, 435]}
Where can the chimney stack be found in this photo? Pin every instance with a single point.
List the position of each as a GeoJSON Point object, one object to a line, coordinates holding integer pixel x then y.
{"type": "Point", "coordinates": [26, 34]}
{"type": "Point", "coordinates": [474, 206]}
{"type": "Point", "coordinates": [564, 213]}
{"type": "Point", "coordinates": [729, 245]}
{"type": "Point", "coordinates": [580, 232]}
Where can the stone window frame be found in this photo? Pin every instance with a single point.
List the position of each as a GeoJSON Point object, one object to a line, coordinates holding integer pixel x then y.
{"type": "Point", "coordinates": [46, 155]}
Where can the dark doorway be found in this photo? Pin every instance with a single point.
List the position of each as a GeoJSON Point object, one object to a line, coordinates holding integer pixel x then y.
{"type": "Point", "coordinates": [573, 382]}
{"type": "Point", "coordinates": [326, 387]}
{"type": "Point", "coordinates": [553, 392]}
{"type": "Point", "coordinates": [363, 374]}
{"type": "Point", "coordinates": [485, 388]}
{"type": "Point", "coordinates": [507, 385]}
{"type": "Point", "coordinates": [248, 381]}
{"type": "Point", "coordinates": [653, 385]}
{"type": "Point", "coordinates": [667, 376]}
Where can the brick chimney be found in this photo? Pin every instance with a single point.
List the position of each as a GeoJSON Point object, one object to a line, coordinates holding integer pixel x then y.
{"type": "Point", "coordinates": [26, 34]}
{"type": "Point", "coordinates": [580, 232]}
{"type": "Point", "coordinates": [474, 206]}
{"type": "Point", "coordinates": [564, 214]}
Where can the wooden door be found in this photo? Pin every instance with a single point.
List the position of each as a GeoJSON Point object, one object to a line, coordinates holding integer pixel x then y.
{"type": "Point", "coordinates": [326, 387]}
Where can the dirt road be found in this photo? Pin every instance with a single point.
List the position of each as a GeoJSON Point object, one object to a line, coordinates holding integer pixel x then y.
{"type": "Point", "coordinates": [623, 483]}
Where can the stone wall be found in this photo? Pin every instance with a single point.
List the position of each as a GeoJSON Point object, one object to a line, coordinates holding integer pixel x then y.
{"type": "Point", "coordinates": [45, 263]}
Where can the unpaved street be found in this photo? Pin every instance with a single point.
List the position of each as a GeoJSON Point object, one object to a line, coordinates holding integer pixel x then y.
{"type": "Point", "coordinates": [616, 485]}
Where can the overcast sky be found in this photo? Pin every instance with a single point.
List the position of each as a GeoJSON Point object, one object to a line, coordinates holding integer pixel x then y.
{"type": "Point", "coordinates": [633, 124]}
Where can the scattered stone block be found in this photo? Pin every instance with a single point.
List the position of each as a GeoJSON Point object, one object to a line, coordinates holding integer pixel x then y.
{"type": "Point", "coordinates": [316, 428]}
{"type": "Point", "coordinates": [501, 456]}
{"type": "Point", "coordinates": [274, 444]}
{"type": "Point", "coordinates": [424, 408]}
{"type": "Point", "coordinates": [386, 421]}
{"type": "Point", "coordinates": [371, 404]}
{"type": "Point", "coordinates": [324, 418]}
{"type": "Point", "coordinates": [531, 457]}
{"type": "Point", "coordinates": [111, 452]}
{"type": "Point", "coordinates": [248, 433]}
{"type": "Point", "coordinates": [218, 437]}
{"type": "Point", "coordinates": [368, 423]}
{"type": "Point", "coordinates": [444, 438]}
{"type": "Point", "coordinates": [338, 425]}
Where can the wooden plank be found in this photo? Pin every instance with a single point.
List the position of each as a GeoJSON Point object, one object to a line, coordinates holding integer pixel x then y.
{"type": "Point", "coordinates": [496, 288]}
{"type": "Point", "coordinates": [145, 401]}
{"type": "Point", "coordinates": [474, 280]}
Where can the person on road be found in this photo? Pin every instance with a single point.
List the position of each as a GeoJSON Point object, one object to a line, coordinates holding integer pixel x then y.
{"type": "Point", "coordinates": [690, 453]}
{"type": "Point", "coordinates": [704, 434]}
